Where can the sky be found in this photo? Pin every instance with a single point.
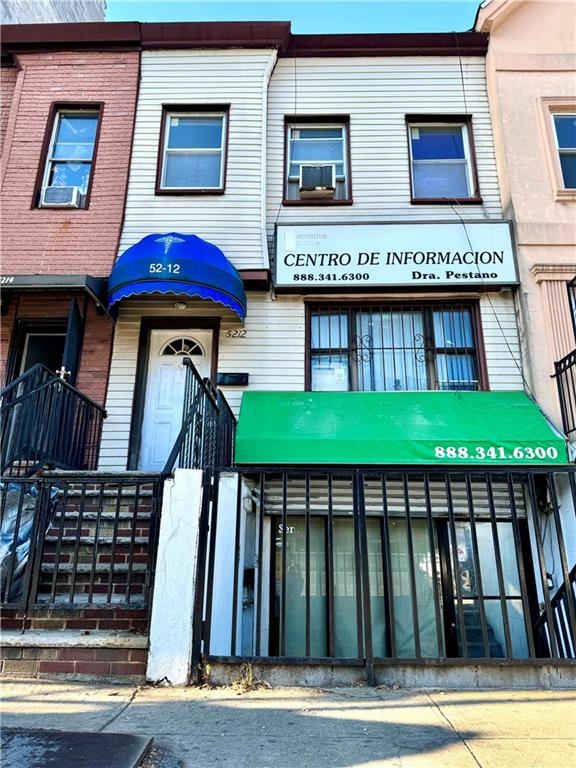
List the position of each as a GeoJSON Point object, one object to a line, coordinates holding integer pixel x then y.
{"type": "Point", "coordinates": [309, 16]}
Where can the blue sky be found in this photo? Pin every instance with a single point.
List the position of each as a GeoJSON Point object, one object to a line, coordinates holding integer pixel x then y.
{"type": "Point", "coordinates": [309, 16]}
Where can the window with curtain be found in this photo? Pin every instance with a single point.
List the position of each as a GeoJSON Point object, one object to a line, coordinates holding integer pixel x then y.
{"type": "Point", "coordinates": [392, 348]}
{"type": "Point", "coordinates": [193, 151]}
{"type": "Point", "coordinates": [318, 145]}
{"type": "Point", "coordinates": [441, 161]}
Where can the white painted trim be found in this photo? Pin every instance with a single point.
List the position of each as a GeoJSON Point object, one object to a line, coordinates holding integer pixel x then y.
{"type": "Point", "coordinates": [264, 159]}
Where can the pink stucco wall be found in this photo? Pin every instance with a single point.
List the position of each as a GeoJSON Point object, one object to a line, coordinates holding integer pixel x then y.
{"type": "Point", "coordinates": [531, 71]}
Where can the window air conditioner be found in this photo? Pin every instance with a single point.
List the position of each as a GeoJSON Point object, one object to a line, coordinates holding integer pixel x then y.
{"type": "Point", "coordinates": [317, 181]}
{"type": "Point", "coordinates": [61, 197]}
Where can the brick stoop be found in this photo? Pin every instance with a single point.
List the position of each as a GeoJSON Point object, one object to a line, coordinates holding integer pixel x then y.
{"type": "Point", "coordinates": [74, 618]}
{"type": "Point", "coordinates": [73, 655]}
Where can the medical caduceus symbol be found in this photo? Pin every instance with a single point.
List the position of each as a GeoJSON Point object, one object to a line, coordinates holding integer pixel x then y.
{"type": "Point", "coordinates": [168, 241]}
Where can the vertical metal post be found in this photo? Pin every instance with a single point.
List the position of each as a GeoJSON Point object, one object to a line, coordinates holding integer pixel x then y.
{"type": "Point", "coordinates": [477, 569]}
{"type": "Point", "coordinates": [260, 565]}
{"type": "Point", "coordinates": [360, 514]}
{"type": "Point", "coordinates": [542, 563]}
{"type": "Point", "coordinates": [411, 568]}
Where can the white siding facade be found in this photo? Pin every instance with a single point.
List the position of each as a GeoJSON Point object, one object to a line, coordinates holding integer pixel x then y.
{"type": "Point", "coordinates": [376, 93]}
{"type": "Point", "coordinates": [232, 221]}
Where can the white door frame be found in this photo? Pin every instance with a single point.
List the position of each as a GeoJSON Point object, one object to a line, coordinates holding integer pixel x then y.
{"type": "Point", "coordinates": [148, 325]}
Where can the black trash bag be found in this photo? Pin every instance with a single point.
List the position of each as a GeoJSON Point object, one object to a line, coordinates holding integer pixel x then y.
{"type": "Point", "coordinates": [15, 544]}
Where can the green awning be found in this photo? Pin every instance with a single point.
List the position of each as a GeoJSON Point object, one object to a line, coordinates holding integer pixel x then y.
{"type": "Point", "coordinates": [359, 428]}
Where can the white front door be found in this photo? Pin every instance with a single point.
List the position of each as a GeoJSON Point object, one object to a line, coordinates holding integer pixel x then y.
{"type": "Point", "coordinates": [164, 394]}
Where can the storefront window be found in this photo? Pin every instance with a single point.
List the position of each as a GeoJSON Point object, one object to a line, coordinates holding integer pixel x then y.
{"type": "Point", "coordinates": [392, 348]}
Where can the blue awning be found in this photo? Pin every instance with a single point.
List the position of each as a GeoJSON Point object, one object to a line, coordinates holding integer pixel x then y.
{"type": "Point", "coordinates": [179, 264]}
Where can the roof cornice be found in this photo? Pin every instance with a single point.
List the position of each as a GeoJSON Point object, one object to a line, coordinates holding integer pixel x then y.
{"type": "Point", "coordinates": [20, 38]}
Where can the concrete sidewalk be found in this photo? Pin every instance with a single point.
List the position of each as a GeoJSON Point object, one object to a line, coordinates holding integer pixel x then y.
{"type": "Point", "coordinates": [301, 728]}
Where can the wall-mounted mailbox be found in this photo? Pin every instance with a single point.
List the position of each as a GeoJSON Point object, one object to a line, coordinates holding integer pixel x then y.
{"type": "Point", "coordinates": [232, 379]}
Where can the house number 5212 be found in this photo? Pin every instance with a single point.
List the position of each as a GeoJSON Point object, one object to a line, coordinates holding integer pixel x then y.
{"type": "Point", "coordinates": [236, 334]}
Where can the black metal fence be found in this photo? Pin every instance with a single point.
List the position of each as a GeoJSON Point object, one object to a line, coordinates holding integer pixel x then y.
{"type": "Point", "coordinates": [565, 375]}
{"type": "Point", "coordinates": [206, 438]}
{"type": "Point", "coordinates": [47, 422]}
{"type": "Point", "coordinates": [78, 540]}
{"type": "Point", "coordinates": [560, 605]}
{"type": "Point", "coordinates": [363, 566]}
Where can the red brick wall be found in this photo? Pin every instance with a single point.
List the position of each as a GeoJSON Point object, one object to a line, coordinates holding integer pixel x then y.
{"type": "Point", "coordinates": [8, 77]}
{"type": "Point", "coordinates": [68, 241]}
{"type": "Point", "coordinates": [96, 346]}
{"type": "Point", "coordinates": [126, 664]}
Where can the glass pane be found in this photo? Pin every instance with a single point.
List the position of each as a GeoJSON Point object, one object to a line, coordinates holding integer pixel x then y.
{"type": "Point", "coordinates": [517, 624]}
{"type": "Point", "coordinates": [47, 349]}
{"type": "Point", "coordinates": [75, 136]}
{"type": "Point", "coordinates": [192, 171]}
{"type": "Point", "coordinates": [70, 175]}
{"type": "Point", "coordinates": [345, 610]}
{"type": "Point", "coordinates": [440, 143]}
{"type": "Point", "coordinates": [296, 586]}
{"type": "Point", "coordinates": [329, 331]}
{"type": "Point", "coordinates": [495, 628]}
{"type": "Point", "coordinates": [456, 372]}
{"type": "Point", "coordinates": [566, 130]}
{"type": "Point", "coordinates": [488, 559]}
{"type": "Point", "coordinates": [568, 163]}
{"type": "Point", "coordinates": [317, 133]}
{"type": "Point", "coordinates": [402, 590]}
{"type": "Point", "coordinates": [439, 180]}
{"type": "Point", "coordinates": [389, 351]}
{"type": "Point", "coordinates": [294, 171]}
{"type": "Point", "coordinates": [453, 328]}
{"type": "Point", "coordinates": [195, 132]}
{"type": "Point", "coordinates": [314, 151]}
{"type": "Point", "coordinates": [330, 373]}
{"type": "Point", "coordinates": [473, 627]}
{"type": "Point", "coordinates": [376, 579]}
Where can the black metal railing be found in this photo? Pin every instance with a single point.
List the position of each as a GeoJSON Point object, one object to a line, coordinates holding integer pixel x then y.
{"type": "Point", "coordinates": [565, 375]}
{"type": "Point", "coordinates": [364, 566]}
{"type": "Point", "coordinates": [78, 539]}
{"type": "Point", "coordinates": [560, 609]}
{"type": "Point", "coordinates": [47, 422]}
{"type": "Point", "coordinates": [206, 438]}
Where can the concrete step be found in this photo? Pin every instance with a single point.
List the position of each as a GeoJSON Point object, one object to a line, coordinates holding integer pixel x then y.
{"type": "Point", "coordinates": [104, 540]}
{"type": "Point", "coordinates": [105, 514]}
{"type": "Point", "coordinates": [80, 600]}
{"type": "Point", "coordinates": [99, 568]}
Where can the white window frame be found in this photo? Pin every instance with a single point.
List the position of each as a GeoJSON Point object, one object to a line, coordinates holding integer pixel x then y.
{"type": "Point", "coordinates": [344, 127]}
{"type": "Point", "coordinates": [467, 158]}
{"type": "Point", "coordinates": [50, 159]}
{"type": "Point", "coordinates": [194, 150]}
{"type": "Point", "coordinates": [562, 150]}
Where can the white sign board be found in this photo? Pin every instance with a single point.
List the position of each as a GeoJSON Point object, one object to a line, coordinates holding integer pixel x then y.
{"type": "Point", "coordinates": [353, 255]}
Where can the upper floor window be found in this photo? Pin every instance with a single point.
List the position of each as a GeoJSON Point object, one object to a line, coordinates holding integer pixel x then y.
{"type": "Point", "coordinates": [393, 347]}
{"type": "Point", "coordinates": [70, 158]}
{"type": "Point", "coordinates": [317, 161]}
{"type": "Point", "coordinates": [193, 150]}
{"type": "Point", "coordinates": [565, 132]}
{"type": "Point", "coordinates": [442, 163]}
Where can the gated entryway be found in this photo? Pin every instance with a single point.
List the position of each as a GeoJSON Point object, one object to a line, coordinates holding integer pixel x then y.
{"type": "Point", "coordinates": [362, 566]}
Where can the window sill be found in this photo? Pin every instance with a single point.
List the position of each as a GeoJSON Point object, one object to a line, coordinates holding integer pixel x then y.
{"type": "Point", "coordinates": [565, 195]}
{"type": "Point", "coordinates": [64, 208]}
{"type": "Point", "coordinates": [188, 192]}
{"type": "Point", "coordinates": [446, 201]}
{"type": "Point", "coordinates": [318, 202]}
